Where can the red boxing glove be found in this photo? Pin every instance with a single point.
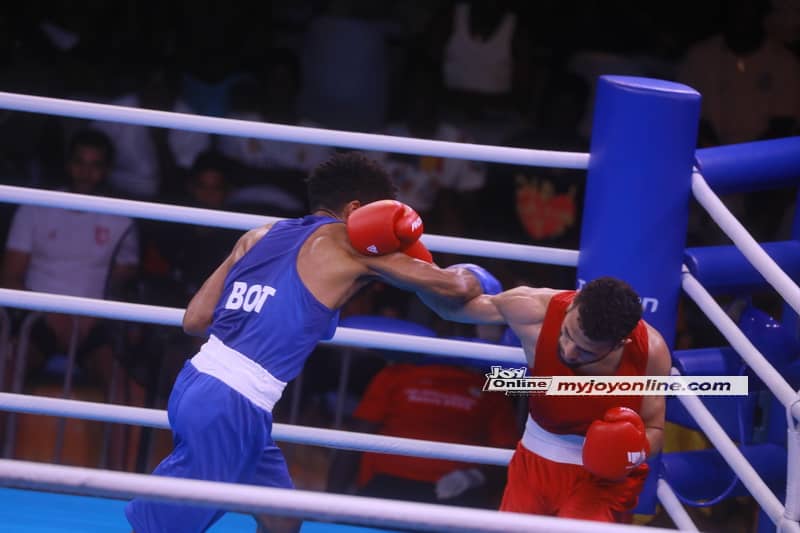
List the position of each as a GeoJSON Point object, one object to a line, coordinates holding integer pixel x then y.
{"type": "Point", "coordinates": [383, 227]}
{"type": "Point", "coordinates": [417, 250]}
{"type": "Point", "coordinates": [615, 445]}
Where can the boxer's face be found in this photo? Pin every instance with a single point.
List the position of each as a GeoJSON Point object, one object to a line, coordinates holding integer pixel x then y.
{"type": "Point", "coordinates": [575, 349]}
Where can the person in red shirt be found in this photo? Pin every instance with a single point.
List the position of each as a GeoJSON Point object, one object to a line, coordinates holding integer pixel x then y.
{"type": "Point", "coordinates": [439, 402]}
{"type": "Point", "coordinates": [580, 456]}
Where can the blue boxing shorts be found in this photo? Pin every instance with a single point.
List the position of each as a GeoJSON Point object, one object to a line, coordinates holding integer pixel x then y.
{"type": "Point", "coordinates": [219, 435]}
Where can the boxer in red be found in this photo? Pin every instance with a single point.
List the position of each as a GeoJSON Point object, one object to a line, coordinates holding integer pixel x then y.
{"type": "Point", "coordinates": [580, 456]}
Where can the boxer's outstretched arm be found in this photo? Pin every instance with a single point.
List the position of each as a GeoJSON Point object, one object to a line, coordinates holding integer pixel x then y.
{"type": "Point", "coordinates": [452, 287]}
{"type": "Point", "coordinates": [519, 307]}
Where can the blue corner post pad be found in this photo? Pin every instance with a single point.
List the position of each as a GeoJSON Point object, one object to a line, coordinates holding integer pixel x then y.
{"type": "Point", "coordinates": [489, 283]}
{"type": "Point", "coordinates": [636, 207]}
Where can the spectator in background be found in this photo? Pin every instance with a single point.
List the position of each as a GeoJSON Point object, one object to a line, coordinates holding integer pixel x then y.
{"type": "Point", "coordinates": [136, 171]}
{"type": "Point", "coordinates": [344, 57]}
{"type": "Point", "coordinates": [749, 81]}
{"type": "Point", "coordinates": [71, 252]}
{"type": "Point", "coordinates": [783, 23]}
{"type": "Point", "coordinates": [751, 90]}
{"type": "Point", "coordinates": [271, 172]}
{"type": "Point", "coordinates": [63, 251]}
{"type": "Point", "coordinates": [441, 190]}
{"type": "Point", "coordinates": [440, 402]}
{"type": "Point", "coordinates": [486, 53]}
{"type": "Point", "coordinates": [179, 257]}
{"type": "Point", "coordinates": [213, 48]}
{"type": "Point", "coordinates": [643, 43]}
{"type": "Point", "coordinates": [538, 205]}
{"type": "Point", "coordinates": [272, 97]}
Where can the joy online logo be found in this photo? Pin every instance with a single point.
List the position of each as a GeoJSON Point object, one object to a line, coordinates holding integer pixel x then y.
{"type": "Point", "coordinates": [515, 380]}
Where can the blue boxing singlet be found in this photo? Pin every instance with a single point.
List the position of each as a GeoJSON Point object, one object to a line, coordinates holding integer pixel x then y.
{"type": "Point", "coordinates": [267, 322]}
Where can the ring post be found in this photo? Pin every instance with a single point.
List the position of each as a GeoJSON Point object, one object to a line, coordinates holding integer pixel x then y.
{"type": "Point", "coordinates": [638, 189]}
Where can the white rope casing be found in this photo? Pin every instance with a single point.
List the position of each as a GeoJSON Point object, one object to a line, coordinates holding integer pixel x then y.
{"type": "Point", "coordinates": [745, 242]}
{"type": "Point", "coordinates": [280, 132]}
{"type": "Point", "coordinates": [243, 221]}
{"type": "Point", "coordinates": [329, 438]}
{"type": "Point", "coordinates": [289, 502]}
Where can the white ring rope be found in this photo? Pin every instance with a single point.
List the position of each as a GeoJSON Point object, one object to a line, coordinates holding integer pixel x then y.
{"type": "Point", "coordinates": [327, 438]}
{"type": "Point", "coordinates": [297, 503]}
{"type": "Point", "coordinates": [243, 221]}
{"type": "Point", "coordinates": [737, 461]}
{"type": "Point", "coordinates": [739, 341]}
{"type": "Point", "coordinates": [674, 507]}
{"type": "Point", "coordinates": [172, 316]}
{"type": "Point", "coordinates": [279, 132]}
{"type": "Point", "coordinates": [745, 242]}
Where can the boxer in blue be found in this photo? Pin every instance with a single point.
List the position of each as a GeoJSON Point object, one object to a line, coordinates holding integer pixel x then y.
{"type": "Point", "coordinates": [264, 310]}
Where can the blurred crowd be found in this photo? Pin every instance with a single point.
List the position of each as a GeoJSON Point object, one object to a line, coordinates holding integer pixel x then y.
{"type": "Point", "coordinates": [498, 72]}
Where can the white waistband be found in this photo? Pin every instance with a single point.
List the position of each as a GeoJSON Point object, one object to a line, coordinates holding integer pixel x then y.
{"type": "Point", "coordinates": [558, 448]}
{"type": "Point", "coordinates": [239, 372]}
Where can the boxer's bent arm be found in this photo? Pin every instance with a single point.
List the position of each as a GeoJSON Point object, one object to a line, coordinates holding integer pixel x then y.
{"type": "Point", "coordinates": [653, 410]}
{"type": "Point", "coordinates": [200, 310]}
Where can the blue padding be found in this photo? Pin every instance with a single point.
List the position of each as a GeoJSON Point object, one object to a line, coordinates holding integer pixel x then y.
{"type": "Point", "coordinates": [777, 424]}
{"type": "Point", "coordinates": [386, 324]}
{"type": "Point", "coordinates": [704, 475]}
{"type": "Point", "coordinates": [707, 362]}
{"type": "Point", "coordinates": [791, 373]}
{"type": "Point", "coordinates": [723, 269]}
{"type": "Point", "coordinates": [778, 345]}
{"type": "Point", "coordinates": [751, 166]}
{"type": "Point", "coordinates": [734, 413]}
{"type": "Point", "coordinates": [637, 190]}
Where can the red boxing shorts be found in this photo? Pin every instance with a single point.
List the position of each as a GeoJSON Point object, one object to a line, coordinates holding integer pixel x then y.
{"type": "Point", "coordinates": [539, 486]}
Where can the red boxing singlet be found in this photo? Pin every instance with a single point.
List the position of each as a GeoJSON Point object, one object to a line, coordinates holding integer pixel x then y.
{"type": "Point", "coordinates": [573, 414]}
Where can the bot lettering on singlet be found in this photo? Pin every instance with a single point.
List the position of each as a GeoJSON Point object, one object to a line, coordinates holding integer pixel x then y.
{"type": "Point", "coordinates": [248, 298]}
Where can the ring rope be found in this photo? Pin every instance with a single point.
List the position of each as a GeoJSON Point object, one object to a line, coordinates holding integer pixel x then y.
{"type": "Point", "coordinates": [243, 221]}
{"type": "Point", "coordinates": [745, 242]}
{"type": "Point", "coordinates": [327, 438]}
{"type": "Point", "coordinates": [739, 341]}
{"type": "Point", "coordinates": [737, 461]}
{"type": "Point", "coordinates": [298, 134]}
{"type": "Point", "coordinates": [291, 502]}
{"type": "Point", "coordinates": [322, 437]}
{"type": "Point", "coordinates": [173, 316]}
{"type": "Point", "coordinates": [674, 507]}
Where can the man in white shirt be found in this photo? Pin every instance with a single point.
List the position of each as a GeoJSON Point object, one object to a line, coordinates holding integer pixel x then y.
{"type": "Point", "coordinates": [76, 253]}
